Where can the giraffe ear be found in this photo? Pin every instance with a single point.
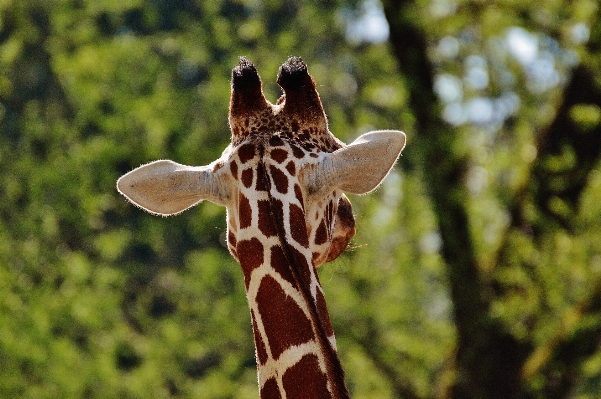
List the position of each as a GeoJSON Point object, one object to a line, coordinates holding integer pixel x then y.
{"type": "Point", "coordinates": [359, 167]}
{"type": "Point", "coordinates": [167, 188]}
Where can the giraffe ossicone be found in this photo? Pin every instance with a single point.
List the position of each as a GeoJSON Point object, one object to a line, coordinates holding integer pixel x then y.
{"type": "Point", "coordinates": [282, 180]}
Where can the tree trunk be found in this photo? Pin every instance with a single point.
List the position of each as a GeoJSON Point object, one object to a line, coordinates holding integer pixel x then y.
{"type": "Point", "coordinates": [489, 359]}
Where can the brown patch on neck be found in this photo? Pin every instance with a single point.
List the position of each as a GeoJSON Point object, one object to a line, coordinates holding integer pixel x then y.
{"type": "Point", "coordinates": [303, 380]}
{"type": "Point", "coordinates": [284, 322]}
{"type": "Point", "coordinates": [251, 252]}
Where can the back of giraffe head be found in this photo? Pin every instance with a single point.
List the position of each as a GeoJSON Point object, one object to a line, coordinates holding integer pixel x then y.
{"type": "Point", "coordinates": [321, 165]}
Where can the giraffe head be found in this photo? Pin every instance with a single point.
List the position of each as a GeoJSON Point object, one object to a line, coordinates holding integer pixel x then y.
{"type": "Point", "coordinates": [282, 180]}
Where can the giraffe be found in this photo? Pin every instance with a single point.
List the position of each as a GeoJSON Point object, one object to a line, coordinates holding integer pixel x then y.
{"type": "Point", "coordinates": [282, 180]}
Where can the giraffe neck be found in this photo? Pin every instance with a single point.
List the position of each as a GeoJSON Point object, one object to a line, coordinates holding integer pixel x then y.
{"type": "Point", "coordinates": [294, 339]}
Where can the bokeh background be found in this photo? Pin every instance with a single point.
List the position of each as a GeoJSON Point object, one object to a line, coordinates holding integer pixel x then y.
{"type": "Point", "coordinates": [476, 270]}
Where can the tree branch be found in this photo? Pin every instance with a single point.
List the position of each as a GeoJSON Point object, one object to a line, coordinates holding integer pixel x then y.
{"type": "Point", "coordinates": [560, 358]}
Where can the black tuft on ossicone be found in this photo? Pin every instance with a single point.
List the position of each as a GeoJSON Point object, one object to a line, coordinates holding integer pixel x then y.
{"type": "Point", "coordinates": [293, 74]}
{"type": "Point", "coordinates": [245, 75]}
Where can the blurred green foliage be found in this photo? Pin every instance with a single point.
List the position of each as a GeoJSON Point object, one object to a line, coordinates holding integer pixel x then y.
{"type": "Point", "coordinates": [99, 299]}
